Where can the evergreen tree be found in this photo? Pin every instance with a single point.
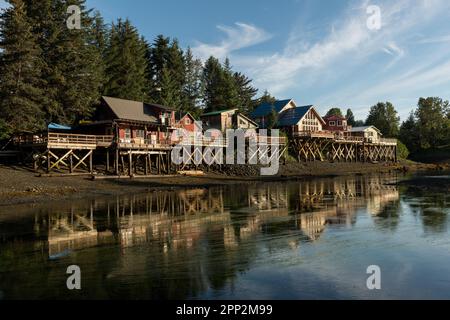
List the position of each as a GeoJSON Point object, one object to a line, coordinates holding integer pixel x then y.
{"type": "Point", "coordinates": [157, 57]}
{"type": "Point", "coordinates": [409, 133]}
{"type": "Point", "coordinates": [265, 98]}
{"type": "Point", "coordinates": [73, 70]}
{"type": "Point", "coordinates": [350, 118]}
{"type": "Point", "coordinates": [272, 119]}
{"type": "Point", "coordinates": [212, 85]}
{"type": "Point", "coordinates": [126, 63]}
{"type": "Point", "coordinates": [192, 83]}
{"type": "Point", "coordinates": [20, 68]}
{"type": "Point", "coordinates": [228, 87]}
{"type": "Point", "coordinates": [99, 33]}
{"type": "Point", "coordinates": [166, 60]}
{"type": "Point", "coordinates": [385, 118]}
{"type": "Point", "coordinates": [246, 92]}
{"type": "Point", "coordinates": [359, 123]}
{"type": "Point", "coordinates": [169, 93]}
{"type": "Point", "coordinates": [334, 112]}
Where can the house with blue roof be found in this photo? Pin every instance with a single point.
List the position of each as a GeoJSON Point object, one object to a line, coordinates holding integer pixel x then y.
{"type": "Point", "coordinates": [291, 118]}
{"type": "Point", "coordinates": [300, 119]}
{"type": "Point", "coordinates": [261, 113]}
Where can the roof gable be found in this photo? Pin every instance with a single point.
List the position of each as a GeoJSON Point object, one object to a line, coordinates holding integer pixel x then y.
{"type": "Point", "coordinates": [247, 119]}
{"type": "Point", "coordinates": [292, 117]}
{"type": "Point", "coordinates": [216, 113]}
{"type": "Point", "coordinates": [266, 108]}
{"type": "Point", "coordinates": [180, 116]}
{"type": "Point", "coordinates": [131, 110]}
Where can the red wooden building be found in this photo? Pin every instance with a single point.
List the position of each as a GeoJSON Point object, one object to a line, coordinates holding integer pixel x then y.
{"type": "Point", "coordinates": [132, 122]}
{"type": "Point", "coordinates": [336, 123]}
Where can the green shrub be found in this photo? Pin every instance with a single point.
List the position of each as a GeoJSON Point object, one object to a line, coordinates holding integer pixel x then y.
{"type": "Point", "coordinates": [402, 151]}
{"type": "Point", "coordinates": [4, 131]}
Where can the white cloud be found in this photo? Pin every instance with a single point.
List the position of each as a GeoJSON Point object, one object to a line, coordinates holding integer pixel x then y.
{"type": "Point", "coordinates": [240, 36]}
{"type": "Point", "coordinates": [346, 49]}
{"type": "Point", "coordinates": [439, 39]}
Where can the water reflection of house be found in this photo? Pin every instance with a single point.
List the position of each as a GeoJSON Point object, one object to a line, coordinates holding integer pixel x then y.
{"type": "Point", "coordinates": [313, 224]}
{"type": "Point", "coordinates": [179, 219]}
{"type": "Point", "coordinates": [173, 219]}
{"type": "Point", "coordinates": [336, 202]}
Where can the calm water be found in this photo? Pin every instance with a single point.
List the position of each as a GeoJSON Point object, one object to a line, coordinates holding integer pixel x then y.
{"type": "Point", "coordinates": [298, 240]}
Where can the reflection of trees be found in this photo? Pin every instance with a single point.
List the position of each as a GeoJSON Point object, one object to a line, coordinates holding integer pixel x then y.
{"type": "Point", "coordinates": [429, 204]}
{"type": "Point", "coordinates": [388, 216]}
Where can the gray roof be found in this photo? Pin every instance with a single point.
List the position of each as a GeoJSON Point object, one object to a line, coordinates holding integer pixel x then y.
{"type": "Point", "coordinates": [361, 129]}
{"type": "Point", "coordinates": [131, 110]}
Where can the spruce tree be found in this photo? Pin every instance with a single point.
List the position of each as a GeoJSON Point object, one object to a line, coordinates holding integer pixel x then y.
{"type": "Point", "coordinates": [265, 98]}
{"type": "Point", "coordinates": [192, 83]}
{"type": "Point", "coordinates": [20, 69]}
{"type": "Point", "coordinates": [166, 60]}
{"type": "Point", "coordinates": [126, 63]}
{"type": "Point", "coordinates": [229, 88]}
{"type": "Point", "coordinates": [350, 118]}
{"type": "Point", "coordinates": [212, 82]}
{"type": "Point", "coordinates": [246, 92]}
{"type": "Point", "coordinates": [169, 94]}
{"type": "Point", "coordinates": [72, 71]}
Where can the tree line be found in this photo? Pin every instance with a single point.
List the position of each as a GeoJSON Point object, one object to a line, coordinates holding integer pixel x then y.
{"type": "Point", "coordinates": [50, 73]}
{"type": "Point", "coordinates": [427, 128]}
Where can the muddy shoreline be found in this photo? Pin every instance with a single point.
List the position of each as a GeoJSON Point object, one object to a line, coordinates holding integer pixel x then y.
{"type": "Point", "coordinates": [22, 186]}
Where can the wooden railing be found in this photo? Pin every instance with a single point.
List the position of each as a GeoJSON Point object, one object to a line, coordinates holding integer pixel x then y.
{"type": "Point", "coordinates": [314, 134]}
{"type": "Point", "coordinates": [351, 139]}
{"type": "Point", "coordinates": [30, 139]}
{"type": "Point", "coordinates": [386, 141]}
{"type": "Point", "coordinates": [81, 140]}
{"type": "Point", "coordinates": [145, 143]}
{"type": "Point", "coordinates": [272, 140]}
{"type": "Point", "coordinates": [203, 141]}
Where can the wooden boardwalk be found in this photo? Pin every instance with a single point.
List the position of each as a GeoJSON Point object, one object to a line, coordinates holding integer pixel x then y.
{"type": "Point", "coordinates": [69, 153]}
{"type": "Point", "coordinates": [326, 146]}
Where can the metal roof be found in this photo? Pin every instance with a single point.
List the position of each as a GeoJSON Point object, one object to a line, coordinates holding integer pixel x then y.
{"type": "Point", "coordinates": [132, 110]}
{"type": "Point", "coordinates": [215, 113]}
{"type": "Point", "coordinates": [293, 116]}
{"type": "Point", "coordinates": [56, 126]}
{"type": "Point", "coordinates": [266, 108]}
{"type": "Point", "coordinates": [362, 129]}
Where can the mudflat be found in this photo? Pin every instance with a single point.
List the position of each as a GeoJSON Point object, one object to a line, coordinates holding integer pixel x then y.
{"type": "Point", "coordinates": [20, 185]}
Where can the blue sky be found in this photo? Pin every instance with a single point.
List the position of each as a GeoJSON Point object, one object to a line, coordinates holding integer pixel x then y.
{"type": "Point", "coordinates": [318, 52]}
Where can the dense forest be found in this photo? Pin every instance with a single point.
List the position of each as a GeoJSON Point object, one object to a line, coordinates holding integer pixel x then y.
{"type": "Point", "coordinates": [51, 73]}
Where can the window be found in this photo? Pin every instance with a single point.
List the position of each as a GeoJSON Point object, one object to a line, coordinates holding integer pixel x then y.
{"type": "Point", "coordinates": [128, 134]}
{"type": "Point", "coordinates": [339, 123]}
{"type": "Point", "coordinates": [332, 123]}
{"type": "Point", "coordinates": [140, 134]}
{"type": "Point", "coordinates": [187, 121]}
